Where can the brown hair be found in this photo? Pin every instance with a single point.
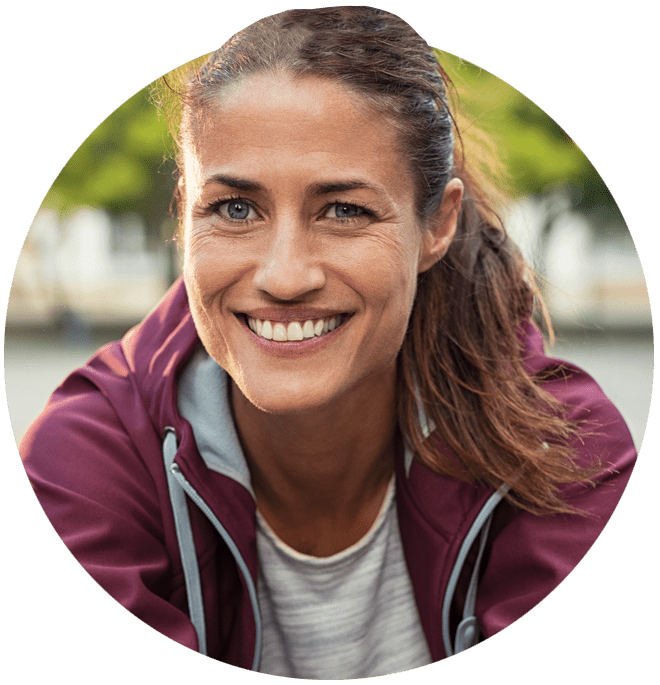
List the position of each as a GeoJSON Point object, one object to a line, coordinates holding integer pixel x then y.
{"type": "Point", "coordinates": [462, 356]}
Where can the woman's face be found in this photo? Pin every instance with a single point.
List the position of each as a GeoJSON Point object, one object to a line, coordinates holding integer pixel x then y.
{"type": "Point", "coordinates": [302, 245]}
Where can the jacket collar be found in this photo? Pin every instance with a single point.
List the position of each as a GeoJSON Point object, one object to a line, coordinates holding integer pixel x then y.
{"type": "Point", "coordinates": [203, 400]}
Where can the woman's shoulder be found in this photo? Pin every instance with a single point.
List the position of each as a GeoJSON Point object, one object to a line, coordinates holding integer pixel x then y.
{"type": "Point", "coordinates": [531, 554]}
{"type": "Point", "coordinates": [601, 429]}
{"type": "Point", "coordinates": [114, 407]}
{"type": "Point", "coordinates": [85, 441]}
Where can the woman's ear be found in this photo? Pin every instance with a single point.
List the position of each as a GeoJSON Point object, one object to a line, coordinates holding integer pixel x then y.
{"type": "Point", "coordinates": [440, 229]}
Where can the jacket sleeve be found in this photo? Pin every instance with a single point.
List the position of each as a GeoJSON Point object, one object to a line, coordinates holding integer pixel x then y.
{"type": "Point", "coordinates": [531, 555]}
{"type": "Point", "coordinates": [106, 503]}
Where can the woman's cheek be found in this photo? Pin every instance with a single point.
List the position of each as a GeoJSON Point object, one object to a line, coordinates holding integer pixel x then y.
{"type": "Point", "coordinates": [210, 270]}
{"type": "Point", "coordinates": [386, 270]}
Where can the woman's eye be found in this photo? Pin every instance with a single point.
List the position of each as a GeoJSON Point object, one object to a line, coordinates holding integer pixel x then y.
{"type": "Point", "coordinates": [344, 211]}
{"type": "Point", "coordinates": [236, 210]}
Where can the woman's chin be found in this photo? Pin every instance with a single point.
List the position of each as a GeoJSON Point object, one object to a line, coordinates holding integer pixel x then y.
{"type": "Point", "coordinates": [285, 399]}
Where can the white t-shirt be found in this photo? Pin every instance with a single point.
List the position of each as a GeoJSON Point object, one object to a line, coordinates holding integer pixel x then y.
{"type": "Point", "coordinates": [350, 615]}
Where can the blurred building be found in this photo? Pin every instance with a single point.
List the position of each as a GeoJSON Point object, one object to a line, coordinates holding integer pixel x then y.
{"type": "Point", "coordinates": [92, 268]}
{"type": "Point", "coordinates": [592, 278]}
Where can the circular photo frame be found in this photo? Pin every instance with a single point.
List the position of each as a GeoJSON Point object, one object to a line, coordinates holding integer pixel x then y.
{"type": "Point", "coordinates": [99, 256]}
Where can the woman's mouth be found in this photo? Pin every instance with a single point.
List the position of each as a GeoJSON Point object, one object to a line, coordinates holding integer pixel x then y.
{"type": "Point", "coordinates": [294, 330]}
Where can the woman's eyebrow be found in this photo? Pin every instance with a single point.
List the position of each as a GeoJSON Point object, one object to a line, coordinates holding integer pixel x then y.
{"type": "Point", "coordinates": [337, 187]}
{"type": "Point", "coordinates": [243, 184]}
{"type": "Point", "coordinates": [325, 188]}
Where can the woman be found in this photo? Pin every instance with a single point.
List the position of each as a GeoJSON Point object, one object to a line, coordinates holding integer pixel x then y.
{"type": "Point", "coordinates": [336, 448]}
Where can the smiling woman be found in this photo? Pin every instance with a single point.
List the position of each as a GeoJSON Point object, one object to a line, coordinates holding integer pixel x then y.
{"type": "Point", "coordinates": [336, 449]}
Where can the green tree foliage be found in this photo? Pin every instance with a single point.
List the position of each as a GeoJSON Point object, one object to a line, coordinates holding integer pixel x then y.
{"type": "Point", "coordinates": [122, 166]}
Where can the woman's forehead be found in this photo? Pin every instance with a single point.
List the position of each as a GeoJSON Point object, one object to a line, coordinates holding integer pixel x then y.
{"type": "Point", "coordinates": [268, 123]}
{"type": "Point", "coordinates": [280, 93]}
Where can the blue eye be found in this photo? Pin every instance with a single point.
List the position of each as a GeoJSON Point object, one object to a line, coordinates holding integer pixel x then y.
{"type": "Point", "coordinates": [236, 209]}
{"type": "Point", "coordinates": [345, 211]}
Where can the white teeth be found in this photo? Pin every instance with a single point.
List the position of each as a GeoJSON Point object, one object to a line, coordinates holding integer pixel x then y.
{"type": "Point", "coordinates": [267, 330]}
{"type": "Point", "coordinates": [279, 332]}
{"type": "Point", "coordinates": [308, 329]}
{"type": "Point", "coordinates": [295, 330]}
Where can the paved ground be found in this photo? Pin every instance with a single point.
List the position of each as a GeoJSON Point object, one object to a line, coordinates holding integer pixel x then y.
{"type": "Point", "coordinates": [623, 365]}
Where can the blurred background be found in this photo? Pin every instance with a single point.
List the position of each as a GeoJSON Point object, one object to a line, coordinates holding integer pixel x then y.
{"type": "Point", "coordinates": [100, 252]}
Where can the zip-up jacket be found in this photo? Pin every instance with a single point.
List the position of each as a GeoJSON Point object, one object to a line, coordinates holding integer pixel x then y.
{"type": "Point", "coordinates": [120, 476]}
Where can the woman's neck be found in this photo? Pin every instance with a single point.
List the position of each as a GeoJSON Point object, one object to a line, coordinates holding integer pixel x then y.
{"type": "Point", "coordinates": [320, 477]}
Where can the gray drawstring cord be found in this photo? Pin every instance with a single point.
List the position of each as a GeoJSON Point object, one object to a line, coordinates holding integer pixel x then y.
{"type": "Point", "coordinates": [185, 539]}
{"type": "Point", "coordinates": [467, 634]}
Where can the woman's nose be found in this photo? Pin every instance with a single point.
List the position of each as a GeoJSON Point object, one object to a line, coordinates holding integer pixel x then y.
{"type": "Point", "coordinates": [289, 268]}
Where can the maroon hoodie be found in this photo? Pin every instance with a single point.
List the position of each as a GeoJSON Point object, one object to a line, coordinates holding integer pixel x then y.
{"type": "Point", "coordinates": [95, 459]}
